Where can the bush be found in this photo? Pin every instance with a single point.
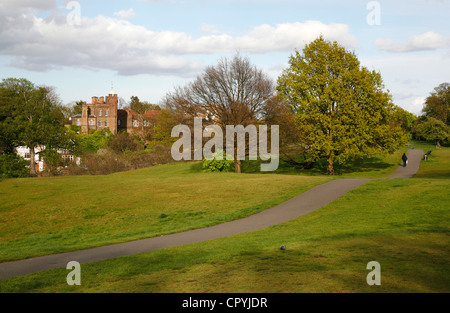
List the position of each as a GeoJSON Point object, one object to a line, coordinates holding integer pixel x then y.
{"type": "Point", "coordinates": [123, 142]}
{"type": "Point", "coordinates": [12, 165]}
{"type": "Point", "coordinates": [75, 128]}
{"type": "Point", "coordinates": [106, 161]}
{"type": "Point", "coordinates": [93, 142]}
{"type": "Point", "coordinates": [215, 165]}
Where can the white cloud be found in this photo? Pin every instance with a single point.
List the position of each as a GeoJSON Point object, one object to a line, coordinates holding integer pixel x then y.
{"type": "Point", "coordinates": [416, 105]}
{"type": "Point", "coordinates": [116, 44]}
{"type": "Point", "coordinates": [125, 14]}
{"type": "Point", "coordinates": [402, 95]}
{"type": "Point", "coordinates": [426, 41]}
{"type": "Point", "coordinates": [43, 5]}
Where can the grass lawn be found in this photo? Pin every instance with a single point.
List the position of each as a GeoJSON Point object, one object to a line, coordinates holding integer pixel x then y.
{"type": "Point", "coordinates": [40, 216]}
{"type": "Point", "coordinates": [400, 223]}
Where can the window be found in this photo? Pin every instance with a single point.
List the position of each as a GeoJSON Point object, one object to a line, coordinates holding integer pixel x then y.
{"type": "Point", "coordinates": [106, 123]}
{"type": "Point", "coordinates": [27, 155]}
{"type": "Point", "coordinates": [91, 122]}
{"type": "Point", "coordinates": [146, 123]}
{"type": "Point", "coordinates": [68, 157]}
{"type": "Point", "coordinates": [78, 122]}
{"type": "Point", "coordinates": [99, 123]}
{"type": "Point", "coordinates": [106, 112]}
{"type": "Point", "coordinates": [99, 112]}
{"type": "Point", "coordinates": [135, 123]}
{"type": "Point", "coordinates": [118, 122]}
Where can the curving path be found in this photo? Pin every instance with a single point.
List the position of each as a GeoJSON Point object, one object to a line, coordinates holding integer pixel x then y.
{"type": "Point", "coordinates": [300, 205]}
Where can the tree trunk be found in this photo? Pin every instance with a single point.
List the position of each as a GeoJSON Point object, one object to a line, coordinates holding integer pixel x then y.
{"type": "Point", "coordinates": [32, 162]}
{"type": "Point", "coordinates": [438, 145]}
{"type": "Point", "coordinates": [330, 164]}
{"type": "Point", "coordinates": [237, 162]}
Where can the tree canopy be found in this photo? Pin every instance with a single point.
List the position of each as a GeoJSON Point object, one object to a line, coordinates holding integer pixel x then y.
{"type": "Point", "coordinates": [30, 116]}
{"type": "Point", "coordinates": [438, 102]}
{"type": "Point", "coordinates": [432, 129]}
{"type": "Point", "coordinates": [341, 106]}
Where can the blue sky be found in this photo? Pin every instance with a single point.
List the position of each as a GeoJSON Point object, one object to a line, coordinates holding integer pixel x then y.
{"type": "Point", "coordinates": [148, 47]}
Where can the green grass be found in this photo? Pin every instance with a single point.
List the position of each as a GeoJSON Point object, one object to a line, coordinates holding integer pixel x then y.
{"type": "Point", "coordinates": [365, 167]}
{"type": "Point", "coordinates": [437, 164]}
{"type": "Point", "coordinates": [58, 214]}
{"type": "Point", "coordinates": [401, 223]}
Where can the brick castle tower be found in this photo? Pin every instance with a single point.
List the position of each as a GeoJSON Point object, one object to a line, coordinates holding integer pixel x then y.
{"type": "Point", "coordinates": [101, 113]}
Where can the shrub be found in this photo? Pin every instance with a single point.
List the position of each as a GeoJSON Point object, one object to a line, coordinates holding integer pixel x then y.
{"type": "Point", "coordinates": [12, 165]}
{"type": "Point", "coordinates": [95, 141]}
{"type": "Point", "coordinates": [106, 161]}
{"type": "Point", "coordinates": [123, 142]}
{"type": "Point", "coordinates": [75, 128]}
{"type": "Point", "coordinates": [215, 165]}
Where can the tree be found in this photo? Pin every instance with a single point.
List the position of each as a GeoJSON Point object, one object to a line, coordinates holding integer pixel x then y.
{"type": "Point", "coordinates": [140, 108]}
{"type": "Point", "coordinates": [77, 108]}
{"type": "Point", "coordinates": [12, 165]}
{"type": "Point", "coordinates": [438, 102]}
{"type": "Point", "coordinates": [233, 92]}
{"type": "Point", "coordinates": [432, 129]}
{"type": "Point", "coordinates": [34, 116]}
{"type": "Point", "coordinates": [291, 136]}
{"type": "Point", "coordinates": [404, 118]}
{"type": "Point", "coordinates": [123, 142]}
{"type": "Point", "coordinates": [164, 123]}
{"type": "Point", "coordinates": [341, 106]}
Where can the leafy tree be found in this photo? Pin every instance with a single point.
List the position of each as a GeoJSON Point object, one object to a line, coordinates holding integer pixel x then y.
{"type": "Point", "coordinates": [164, 123]}
{"type": "Point", "coordinates": [34, 117]}
{"type": "Point", "coordinates": [75, 128]}
{"type": "Point", "coordinates": [291, 136]}
{"type": "Point", "coordinates": [12, 165]}
{"type": "Point", "coordinates": [404, 118]}
{"type": "Point", "coordinates": [53, 160]}
{"type": "Point", "coordinates": [93, 142]}
{"type": "Point", "coordinates": [437, 104]}
{"type": "Point", "coordinates": [341, 106]}
{"type": "Point", "coordinates": [432, 129]}
{"type": "Point", "coordinates": [77, 108]}
{"type": "Point", "coordinates": [140, 108]}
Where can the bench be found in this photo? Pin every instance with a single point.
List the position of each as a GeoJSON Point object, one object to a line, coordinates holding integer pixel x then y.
{"type": "Point", "coordinates": [425, 157]}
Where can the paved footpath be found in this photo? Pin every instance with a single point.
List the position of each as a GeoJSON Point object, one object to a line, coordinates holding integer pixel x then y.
{"type": "Point", "coordinates": [300, 205]}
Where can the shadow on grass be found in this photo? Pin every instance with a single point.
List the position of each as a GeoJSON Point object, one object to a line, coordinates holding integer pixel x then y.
{"type": "Point", "coordinates": [438, 174]}
{"type": "Point", "coordinates": [362, 165]}
{"type": "Point", "coordinates": [196, 167]}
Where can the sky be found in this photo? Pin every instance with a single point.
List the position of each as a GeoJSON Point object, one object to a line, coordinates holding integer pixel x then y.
{"type": "Point", "coordinates": [146, 48]}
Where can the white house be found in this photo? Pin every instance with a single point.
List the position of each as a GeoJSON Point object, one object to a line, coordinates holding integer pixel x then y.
{"type": "Point", "coordinates": [24, 152]}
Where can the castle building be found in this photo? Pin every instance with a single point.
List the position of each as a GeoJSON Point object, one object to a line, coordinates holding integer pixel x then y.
{"type": "Point", "coordinates": [103, 113]}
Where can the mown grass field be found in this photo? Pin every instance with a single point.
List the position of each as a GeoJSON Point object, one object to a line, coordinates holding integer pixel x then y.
{"type": "Point", "coordinates": [400, 223]}
{"type": "Point", "coordinates": [58, 214]}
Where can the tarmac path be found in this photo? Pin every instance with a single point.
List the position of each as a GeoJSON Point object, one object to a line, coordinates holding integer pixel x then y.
{"type": "Point", "coordinates": [300, 205]}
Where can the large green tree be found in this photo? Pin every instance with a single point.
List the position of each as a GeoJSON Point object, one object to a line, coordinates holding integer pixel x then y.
{"type": "Point", "coordinates": [437, 104]}
{"type": "Point", "coordinates": [30, 116]}
{"type": "Point", "coordinates": [432, 129]}
{"type": "Point", "coordinates": [341, 106]}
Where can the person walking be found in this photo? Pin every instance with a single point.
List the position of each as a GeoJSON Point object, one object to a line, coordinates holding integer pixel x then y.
{"type": "Point", "coordinates": [404, 159]}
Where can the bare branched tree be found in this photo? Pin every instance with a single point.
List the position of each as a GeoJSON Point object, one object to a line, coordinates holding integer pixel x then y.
{"type": "Point", "coordinates": [233, 92]}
